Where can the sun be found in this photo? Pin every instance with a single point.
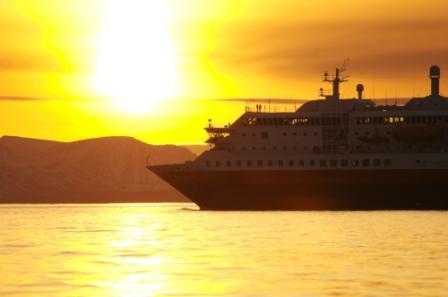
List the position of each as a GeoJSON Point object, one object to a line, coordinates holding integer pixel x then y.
{"type": "Point", "coordinates": [136, 61]}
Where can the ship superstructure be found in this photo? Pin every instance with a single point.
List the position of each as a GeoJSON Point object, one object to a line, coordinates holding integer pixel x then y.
{"type": "Point", "coordinates": [329, 154]}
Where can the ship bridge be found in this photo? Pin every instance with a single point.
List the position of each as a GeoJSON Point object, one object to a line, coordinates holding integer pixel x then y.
{"type": "Point", "coordinates": [218, 135]}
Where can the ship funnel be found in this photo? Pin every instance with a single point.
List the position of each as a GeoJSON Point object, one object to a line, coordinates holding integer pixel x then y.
{"type": "Point", "coordinates": [360, 89]}
{"type": "Point", "coordinates": [434, 75]}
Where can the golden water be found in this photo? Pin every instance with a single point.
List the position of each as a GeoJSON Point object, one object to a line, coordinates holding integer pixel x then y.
{"type": "Point", "coordinates": [175, 250]}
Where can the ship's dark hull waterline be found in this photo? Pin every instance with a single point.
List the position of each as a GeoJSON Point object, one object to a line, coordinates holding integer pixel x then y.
{"type": "Point", "coordinates": [311, 190]}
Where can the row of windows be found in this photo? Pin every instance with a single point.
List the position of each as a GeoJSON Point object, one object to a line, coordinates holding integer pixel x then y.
{"type": "Point", "coordinates": [401, 119]}
{"type": "Point", "coordinates": [274, 148]}
{"type": "Point", "coordinates": [314, 121]}
{"type": "Point", "coordinates": [265, 135]}
{"type": "Point", "coordinates": [316, 149]}
{"type": "Point", "coordinates": [337, 121]}
{"type": "Point", "coordinates": [355, 163]}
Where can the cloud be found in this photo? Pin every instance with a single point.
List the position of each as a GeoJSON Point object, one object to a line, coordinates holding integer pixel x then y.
{"type": "Point", "coordinates": [67, 98]}
{"type": "Point", "coordinates": [291, 49]}
{"type": "Point", "coordinates": [22, 98]}
{"type": "Point", "coordinates": [29, 62]}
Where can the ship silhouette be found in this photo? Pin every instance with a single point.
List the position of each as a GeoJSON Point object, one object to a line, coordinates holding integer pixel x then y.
{"type": "Point", "coordinates": [329, 154]}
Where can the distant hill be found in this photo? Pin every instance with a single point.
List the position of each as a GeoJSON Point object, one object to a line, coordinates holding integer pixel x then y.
{"type": "Point", "coordinates": [197, 149]}
{"type": "Point", "coordinates": [110, 169]}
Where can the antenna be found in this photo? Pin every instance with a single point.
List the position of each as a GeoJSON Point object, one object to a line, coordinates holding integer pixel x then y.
{"type": "Point", "coordinates": [336, 80]}
{"type": "Point", "coordinates": [434, 75]}
{"type": "Point", "coordinates": [345, 64]}
{"type": "Point", "coordinates": [374, 83]}
{"type": "Point", "coordinates": [413, 82]}
{"type": "Point", "coordinates": [269, 89]}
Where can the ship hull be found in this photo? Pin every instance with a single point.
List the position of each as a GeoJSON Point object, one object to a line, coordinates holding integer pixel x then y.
{"type": "Point", "coordinates": [310, 190]}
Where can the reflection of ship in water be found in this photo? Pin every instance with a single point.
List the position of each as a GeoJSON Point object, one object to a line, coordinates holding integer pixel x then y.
{"type": "Point", "coordinates": [329, 154]}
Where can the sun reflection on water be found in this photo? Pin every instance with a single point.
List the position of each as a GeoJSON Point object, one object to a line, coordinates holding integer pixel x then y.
{"type": "Point", "coordinates": [162, 250]}
{"type": "Point", "coordinates": [137, 252]}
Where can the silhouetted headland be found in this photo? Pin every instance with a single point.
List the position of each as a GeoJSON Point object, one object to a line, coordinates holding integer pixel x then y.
{"type": "Point", "coordinates": [110, 169]}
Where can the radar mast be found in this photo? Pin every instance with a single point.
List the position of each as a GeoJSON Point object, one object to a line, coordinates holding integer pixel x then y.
{"type": "Point", "coordinates": [335, 80]}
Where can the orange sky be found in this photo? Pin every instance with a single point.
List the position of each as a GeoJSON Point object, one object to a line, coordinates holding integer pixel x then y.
{"type": "Point", "coordinates": [152, 69]}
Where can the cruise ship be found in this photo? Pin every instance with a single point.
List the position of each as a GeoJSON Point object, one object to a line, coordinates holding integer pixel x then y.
{"type": "Point", "coordinates": [329, 154]}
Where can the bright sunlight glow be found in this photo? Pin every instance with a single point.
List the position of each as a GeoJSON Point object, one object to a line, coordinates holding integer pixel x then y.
{"type": "Point", "coordinates": [136, 64]}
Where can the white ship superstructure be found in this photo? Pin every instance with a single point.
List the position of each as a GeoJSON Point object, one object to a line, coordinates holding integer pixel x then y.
{"type": "Point", "coordinates": [336, 134]}
{"type": "Point", "coordinates": [355, 138]}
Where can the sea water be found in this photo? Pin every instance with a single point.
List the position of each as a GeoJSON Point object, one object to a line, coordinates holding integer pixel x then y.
{"type": "Point", "coordinates": [176, 250]}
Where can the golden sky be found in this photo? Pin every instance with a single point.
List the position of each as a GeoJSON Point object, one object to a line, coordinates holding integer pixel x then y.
{"type": "Point", "coordinates": [154, 69]}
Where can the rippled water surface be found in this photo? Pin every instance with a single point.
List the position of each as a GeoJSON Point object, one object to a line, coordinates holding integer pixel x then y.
{"type": "Point", "coordinates": [175, 250]}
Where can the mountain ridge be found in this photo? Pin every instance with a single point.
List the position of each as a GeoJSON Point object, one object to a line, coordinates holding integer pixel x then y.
{"type": "Point", "coordinates": [106, 169]}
